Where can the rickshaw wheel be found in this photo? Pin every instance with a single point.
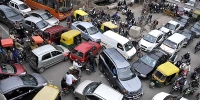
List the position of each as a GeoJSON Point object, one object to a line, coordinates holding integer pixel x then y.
{"type": "Point", "coordinates": [66, 58]}
{"type": "Point", "coordinates": [41, 70]}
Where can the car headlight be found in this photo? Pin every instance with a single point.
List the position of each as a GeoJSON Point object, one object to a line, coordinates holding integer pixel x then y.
{"type": "Point", "coordinates": [142, 75]}
{"type": "Point", "coordinates": [23, 73]}
{"type": "Point", "coordinates": [44, 84]}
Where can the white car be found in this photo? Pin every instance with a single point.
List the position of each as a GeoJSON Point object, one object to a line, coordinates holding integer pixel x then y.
{"type": "Point", "coordinates": [89, 90]}
{"type": "Point", "coordinates": [166, 96]}
{"type": "Point", "coordinates": [191, 3]}
{"type": "Point", "coordinates": [151, 40]}
{"type": "Point", "coordinates": [172, 26]}
{"type": "Point", "coordinates": [19, 6]}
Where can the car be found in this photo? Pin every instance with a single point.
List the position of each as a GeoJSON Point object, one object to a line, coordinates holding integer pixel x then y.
{"type": "Point", "coordinates": [17, 87]}
{"type": "Point", "coordinates": [147, 64]}
{"type": "Point", "coordinates": [172, 26]}
{"type": "Point", "coordinates": [117, 71]}
{"type": "Point", "coordinates": [151, 40]}
{"type": "Point", "coordinates": [46, 56]}
{"type": "Point", "coordinates": [45, 15]}
{"type": "Point", "coordinates": [19, 6]}
{"type": "Point", "coordinates": [191, 3]}
{"type": "Point", "coordinates": [181, 11]}
{"type": "Point", "coordinates": [90, 90]}
{"type": "Point", "coordinates": [89, 31]}
{"type": "Point", "coordinates": [81, 51]}
{"type": "Point", "coordinates": [166, 96]}
{"type": "Point", "coordinates": [189, 36]}
{"type": "Point", "coordinates": [196, 29]}
{"type": "Point", "coordinates": [9, 70]}
{"type": "Point", "coordinates": [184, 21]}
{"type": "Point", "coordinates": [35, 23]}
{"type": "Point", "coordinates": [9, 16]}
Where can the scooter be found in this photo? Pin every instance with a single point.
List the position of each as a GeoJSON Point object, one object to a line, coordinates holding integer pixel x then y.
{"type": "Point", "coordinates": [175, 87]}
{"type": "Point", "coordinates": [66, 88]}
{"type": "Point", "coordinates": [197, 48]}
{"type": "Point", "coordinates": [189, 91]}
{"type": "Point", "coordinates": [196, 73]}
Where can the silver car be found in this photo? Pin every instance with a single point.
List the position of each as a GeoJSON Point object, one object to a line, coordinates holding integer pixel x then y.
{"type": "Point", "coordinates": [89, 90]}
{"type": "Point", "coordinates": [46, 16]}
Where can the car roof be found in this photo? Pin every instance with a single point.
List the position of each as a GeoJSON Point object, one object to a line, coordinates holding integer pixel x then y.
{"type": "Point", "coordinates": [11, 83]}
{"type": "Point", "coordinates": [38, 11]}
{"type": "Point", "coordinates": [84, 46]}
{"type": "Point", "coordinates": [84, 24]}
{"type": "Point", "coordinates": [33, 19]}
{"type": "Point", "coordinates": [116, 37]}
{"type": "Point", "coordinates": [5, 8]}
{"type": "Point", "coordinates": [55, 29]}
{"type": "Point", "coordinates": [175, 39]}
{"type": "Point", "coordinates": [17, 1]}
{"type": "Point", "coordinates": [184, 16]}
{"type": "Point", "coordinates": [173, 22]}
{"type": "Point", "coordinates": [155, 33]}
{"type": "Point", "coordinates": [109, 94]}
{"type": "Point", "coordinates": [156, 54]}
{"type": "Point", "coordinates": [117, 58]}
{"type": "Point", "coordinates": [43, 49]}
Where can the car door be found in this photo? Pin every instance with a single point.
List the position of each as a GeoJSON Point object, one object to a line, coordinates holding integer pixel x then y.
{"type": "Point", "coordinates": [57, 56]}
{"type": "Point", "coordinates": [94, 50]}
{"type": "Point", "coordinates": [159, 40]}
{"type": "Point", "coordinates": [83, 31]}
{"type": "Point", "coordinates": [23, 91]}
{"type": "Point", "coordinates": [47, 60]}
{"type": "Point", "coordinates": [178, 26]}
{"type": "Point", "coordinates": [3, 17]}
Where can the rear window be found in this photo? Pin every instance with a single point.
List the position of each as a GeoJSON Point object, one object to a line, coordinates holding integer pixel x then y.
{"type": "Point", "coordinates": [34, 58]}
{"type": "Point", "coordinates": [29, 80]}
{"type": "Point", "coordinates": [77, 53]}
{"type": "Point", "coordinates": [8, 69]}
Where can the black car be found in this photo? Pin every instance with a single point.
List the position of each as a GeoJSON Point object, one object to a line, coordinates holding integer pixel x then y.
{"type": "Point", "coordinates": [9, 16]}
{"type": "Point", "coordinates": [18, 87]}
{"type": "Point", "coordinates": [196, 29]}
{"type": "Point", "coordinates": [184, 21]}
{"type": "Point", "coordinates": [189, 36]}
{"type": "Point", "coordinates": [146, 65]}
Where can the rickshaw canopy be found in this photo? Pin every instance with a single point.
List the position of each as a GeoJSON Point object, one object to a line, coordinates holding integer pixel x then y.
{"type": "Point", "coordinates": [37, 39]}
{"type": "Point", "coordinates": [109, 25]}
{"type": "Point", "coordinates": [7, 42]}
{"type": "Point", "coordinates": [196, 12]}
{"type": "Point", "coordinates": [68, 37]}
{"type": "Point", "coordinates": [49, 92]}
{"type": "Point", "coordinates": [168, 69]}
{"type": "Point", "coordinates": [80, 12]}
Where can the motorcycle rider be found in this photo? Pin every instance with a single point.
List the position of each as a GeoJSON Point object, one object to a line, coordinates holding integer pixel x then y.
{"type": "Point", "coordinates": [185, 67]}
{"type": "Point", "coordinates": [194, 83]}
{"type": "Point", "coordinates": [115, 15]}
{"type": "Point", "coordinates": [182, 82]}
{"type": "Point", "coordinates": [187, 57]}
{"type": "Point", "coordinates": [15, 55]}
{"type": "Point", "coordinates": [77, 66]}
{"type": "Point", "coordinates": [69, 80]}
{"type": "Point", "coordinates": [92, 61]}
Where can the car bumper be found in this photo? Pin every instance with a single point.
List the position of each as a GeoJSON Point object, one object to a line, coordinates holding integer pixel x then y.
{"type": "Point", "coordinates": [134, 97]}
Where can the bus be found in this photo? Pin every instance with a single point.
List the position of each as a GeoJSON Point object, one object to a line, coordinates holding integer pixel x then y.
{"type": "Point", "coordinates": [60, 9]}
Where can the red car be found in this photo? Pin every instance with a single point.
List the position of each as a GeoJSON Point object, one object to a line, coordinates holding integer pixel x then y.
{"type": "Point", "coordinates": [81, 52]}
{"type": "Point", "coordinates": [8, 70]}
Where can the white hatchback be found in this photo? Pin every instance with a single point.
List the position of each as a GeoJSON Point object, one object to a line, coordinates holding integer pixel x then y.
{"type": "Point", "coordinates": [151, 40]}
{"type": "Point", "coordinates": [166, 96]}
{"type": "Point", "coordinates": [172, 26]}
{"type": "Point", "coordinates": [19, 6]}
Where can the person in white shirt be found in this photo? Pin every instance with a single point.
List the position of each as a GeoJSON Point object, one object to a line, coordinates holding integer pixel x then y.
{"type": "Point", "coordinates": [69, 80]}
{"type": "Point", "coordinates": [77, 66]}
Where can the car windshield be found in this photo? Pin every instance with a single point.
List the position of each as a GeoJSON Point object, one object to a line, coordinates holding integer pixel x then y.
{"type": "Point", "coordinates": [150, 38]}
{"type": "Point", "coordinates": [11, 13]}
{"type": "Point", "coordinates": [77, 53]}
{"type": "Point", "coordinates": [180, 9]}
{"type": "Point", "coordinates": [46, 16]}
{"type": "Point", "coordinates": [170, 44]}
{"type": "Point", "coordinates": [125, 73]}
{"type": "Point", "coordinates": [29, 80]}
{"type": "Point", "coordinates": [90, 88]}
{"type": "Point", "coordinates": [188, 35]}
{"type": "Point", "coordinates": [172, 97]}
{"type": "Point", "coordinates": [128, 46]}
{"type": "Point", "coordinates": [182, 20]}
{"type": "Point", "coordinates": [197, 26]}
{"type": "Point", "coordinates": [169, 26]}
{"type": "Point", "coordinates": [57, 47]}
{"type": "Point", "coordinates": [8, 69]}
{"type": "Point", "coordinates": [42, 24]}
{"type": "Point", "coordinates": [23, 6]}
{"type": "Point", "coordinates": [148, 61]}
{"type": "Point", "coordinates": [159, 75]}
{"type": "Point", "coordinates": [92, 30]}
{"type": "Point", "coordinates": [115, 30]}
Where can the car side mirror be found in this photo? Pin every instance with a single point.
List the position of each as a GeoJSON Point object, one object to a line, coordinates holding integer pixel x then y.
{"type": "Point", "coordinates": [114, 77]}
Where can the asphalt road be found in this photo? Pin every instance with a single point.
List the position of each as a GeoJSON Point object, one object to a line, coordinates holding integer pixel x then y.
{"type": "Point", "coordinates": [55, 73]}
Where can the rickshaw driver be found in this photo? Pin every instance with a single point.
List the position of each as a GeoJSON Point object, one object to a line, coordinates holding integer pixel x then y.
{"type": "Point", "coordinates": [182, 82]}
{"type": "Point", "coordinates": [18, 45]}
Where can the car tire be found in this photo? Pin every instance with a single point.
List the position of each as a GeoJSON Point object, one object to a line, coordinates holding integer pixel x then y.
{"type": "Point", "coordinates": [41, 70]}
{"type": "Point", "coordinates": [66, 58]}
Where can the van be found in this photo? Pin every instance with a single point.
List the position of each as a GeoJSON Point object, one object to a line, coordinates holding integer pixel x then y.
{"type": "Point", "coordinates": [173, 43]}
{"type": "Point", "coordinates": [112, 40]}
{"type": "Point", "coordinates": [19, 6]}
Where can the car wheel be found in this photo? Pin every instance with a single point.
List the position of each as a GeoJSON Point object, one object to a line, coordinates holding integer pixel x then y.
{"type": "Point", "coordinates": [76, 98]}
{"type": "Point", "coordinates": [41, 70]}
{"type": "Point", "coordinates": [66, 58]}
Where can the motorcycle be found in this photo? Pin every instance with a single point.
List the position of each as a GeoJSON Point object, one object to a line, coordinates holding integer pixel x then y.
{"type": "Point", "coordinates": [183, 72]}
{"type": "Point", "coordinates": [66, 88]}
{"type": "Point", "coordinates": [196, 73]}
{"type": "Point", "coordinates": [197, 48]}
{"type": "Point", "coordinates": [198, 96]}
{"type": "Point", "coordinates": [189, 91]}
{"type": "Point", "coordinates": [175, 87]}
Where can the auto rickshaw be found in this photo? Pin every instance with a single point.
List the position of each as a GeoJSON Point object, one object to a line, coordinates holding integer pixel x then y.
{"type": "Point", "coordinates": [165, 74]}
{"type": "Point", "coordinates": [196, 16]}
{"type": "Point", "coordinates": [82, 14]}
{"type": "Point", "coordinates": [36, 41]}
{"type": "Point", "coordinates": [169, 12]}
{"type": "Point", "coordinates": [109, 26]}
{"type": "Point", "coordinates": [6, 44]}
{"type": "Point", "coordinates": [70, 39]}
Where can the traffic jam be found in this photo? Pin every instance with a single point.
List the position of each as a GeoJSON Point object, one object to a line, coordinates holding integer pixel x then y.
{"type": "Point", "coordinates": [94, 40]}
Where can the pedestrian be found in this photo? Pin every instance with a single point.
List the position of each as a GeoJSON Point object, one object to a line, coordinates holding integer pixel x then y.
{"type": "Point", "coordinates": [69, 21]}
{"type": "Point", "coordinates": [126, 33]}
{"type": "Point", "coordinates": [124, 2]}
{"type": "Point", "coordinates": [149, 18]}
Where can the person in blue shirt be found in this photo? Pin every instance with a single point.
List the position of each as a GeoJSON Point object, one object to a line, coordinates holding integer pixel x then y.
{"type": "Point", "coordinates": [115, 15]}
{"type": "Point", "coordinates": [182, 82]}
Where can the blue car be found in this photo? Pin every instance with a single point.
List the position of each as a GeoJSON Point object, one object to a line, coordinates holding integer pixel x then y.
{"type": "Point", "coordinates": [88, 31]}
{"type": "Point", "coordinates": [196, 29]}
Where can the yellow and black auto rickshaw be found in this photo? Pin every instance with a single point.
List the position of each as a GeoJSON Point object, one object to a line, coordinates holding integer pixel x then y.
{"type": "Point", "coordinates": [80, 15]}
{"type": "Point", "coordinates": [49, 92]}
{"type": "Point", "coordinates": [109, 26]}
{"type": "Point", "coordinates": [70, 39]}
{"type": "Point", "coordinates": [169, 12]}
{"type": "Point", "coordinates": [165, 74]}
{"type": "Point", "coordinates": [196, 16]}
